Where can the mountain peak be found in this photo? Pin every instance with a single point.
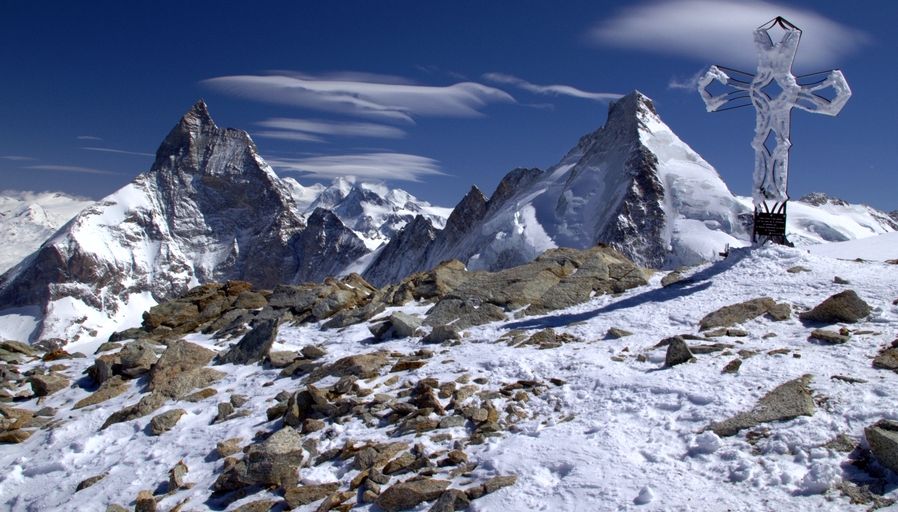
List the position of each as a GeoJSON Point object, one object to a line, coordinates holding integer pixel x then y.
{"type": "Point", "coordinates": [631, 104]}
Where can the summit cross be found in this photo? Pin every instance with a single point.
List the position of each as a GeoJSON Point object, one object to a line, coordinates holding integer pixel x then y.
{"type": "Point", "coordinates": [774, 91]}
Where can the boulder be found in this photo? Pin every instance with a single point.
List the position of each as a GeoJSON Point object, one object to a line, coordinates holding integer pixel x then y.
{"type": "Point", "coordinates": [250, 300]}
{"type": "Point", "coordinates": [737, 313]}
{"type": "Point", "coordinates": [107, 390]}
{"type": "Point", "coordinates": [145, 502]}
{"type": "Point", "coordinates": [254, 346]}
{"type": "Point", "coordinates": [135, 359]}
{"type": "Point", "coordinates": [165, 421]}
{"type": "Point", "coordinates": [887, 359]}
{"type": "Point", "coordinates": [844, 306]}
{"type": "Point", "coordinates": [826, 336]}
{"type": "Point", "coordinates": [144, 406]}
{"type": "Point", "coordinates": [450, 501]}
{"type": "Point", "coordinates": [363, 366]}
{"type": "Point", "coordinates": [883, 439]}
{"type": "Point", "coordinates": [671, 279]}
{"type": "Point", "coordinates": [276, 460]}
{"type": "Point", "coordinates": [296, 496]}
{"type": "Point", "coordinates": [677, 352]}
{"type": "Point", "coordinates": [44, 385]}
{"type": "Point", "coordinates": [170, 314]}
{"type": "Point", "coordinates": [87, 482]}
{"type": "Point", "coordinates": [181, 368]}
{"type": "Point", "coordinates": [441, 334]}
{"type": "Point", "coordinates": [405, 325]}
{"type": "Point", "coordinates": [463, 313]}
{"type": "Point", "coordinates": [785, 402]}
{"type": "Point", "coordinates": [409, 494]}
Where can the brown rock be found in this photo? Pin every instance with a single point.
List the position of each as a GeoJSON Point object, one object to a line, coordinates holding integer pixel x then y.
{"type": "Point", "coordinates": [165, 421]}
{"type": "Point", "coordinates": [409, 494]}
{"type": "Point", "coordinates": [14, 436]}
{"type": "Point", "coordinates": [87, 482]}
{"type": "Point", "coordinates": [180, 369]}
{"type": "Point", "coordinates": [107, 390]}
{"type": "Point", "coordinates": [785, 402]}
{"type": "Point", "coordinates": [305, 494]}
{"type": "Point", "coordinates": [737, 313]}
{"type": "Point", "coordinates": [845, 306]}
{"type": "Point", "coordinates": [450, 501]}
{"type": "Point", "coordinates": [43, 385]}
{"type": "Point", "coordinates": [229, 446]}
{"type": "Point", "coordinates": [145, 502]}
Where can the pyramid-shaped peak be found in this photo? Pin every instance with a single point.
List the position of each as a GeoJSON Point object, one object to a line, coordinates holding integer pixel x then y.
{"type": "Point", "coordinates": [198, 115]}
{"type": "Point", "coordinates": [632, 103]}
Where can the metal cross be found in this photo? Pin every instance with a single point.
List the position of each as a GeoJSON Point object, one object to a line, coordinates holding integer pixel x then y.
{"type": "Point", "coordinates": [774, 91]}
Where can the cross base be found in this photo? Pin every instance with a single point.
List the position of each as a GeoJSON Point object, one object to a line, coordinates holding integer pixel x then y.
{"type": "Point", "coordinates": [770, 224]}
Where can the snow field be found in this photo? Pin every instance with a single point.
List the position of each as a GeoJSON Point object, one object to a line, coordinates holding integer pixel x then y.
{"type": "Point", "coordinates": [621, 432]}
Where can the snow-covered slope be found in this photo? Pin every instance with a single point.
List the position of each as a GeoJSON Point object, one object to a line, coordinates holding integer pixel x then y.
{"type": "Point", "coordinates": [27, 219]}
{"type": "Point", "coordinates": [210, 209]}
{"type": "Point", "coordinates": [611, 428]}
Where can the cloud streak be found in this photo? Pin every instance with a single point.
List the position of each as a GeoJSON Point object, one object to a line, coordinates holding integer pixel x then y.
{"type": "Point", "coordinates": [550, 90]}
{"type": "Point", "coordinates": [312, 130]}
{"type": "Point", "coordinates": [382, 165]}
{"type": "Point", "coordinates": [17, 158]}
{"type": "Point", "coordinates": [118, 151]}
{"type": "Point", "coordinates": [367, 95]}
{"type": "Point", "coordinates": [69, 168]}
{"type": "Point", "coordinates": [720, 31]}
{"type": "Point", "coordinates": [88, 137]}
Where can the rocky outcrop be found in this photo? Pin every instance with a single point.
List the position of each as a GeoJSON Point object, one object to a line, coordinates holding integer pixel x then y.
{"type": "Point", "coordinates": [743, 312]}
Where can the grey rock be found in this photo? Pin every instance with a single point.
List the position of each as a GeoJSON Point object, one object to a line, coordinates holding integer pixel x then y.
{"type": "Point", "coordinates": [462, 313]}
{"type": "Point", "coordinates": [19, 347]}
{"type": "Point", "coordinates": [826, 336]}
{"type": "Point", "coordinates": [228, 446]}
{"type": "Point", "coordinates": [145, 502]}
{"type": "Point", "coordinates": [405, 325]}
{"type": "Point", "coordinates": [363, 366]}
{"type": "Point", "coordinates": [887, 359]}
{"type": "Point", "coordinates": [441, 334]}
{"type": "Point", "coordinates": [407, 495]}
{"type": "Point", "coordinates": [43, 385]}
{"type": "Point", "coordinates": [615, 333]}
{"type": "Point", "coordinates": [736, 313]}
{"type": "Point", "coordinates": [785, 402]}
{"type": "Point", "coordinates": [276, 460]}
{"type": "Point", "coordinates": [146, 405]}
{"type": "Point", "coordinates": [677, 352]}
{"type": "Point", "coordinates": [176, 477]}
{"type": "Point", "coordinates": [883, 439]}
{"type": "Point", "coordinates": [313, 352]}
{"type": "Point", "coordinates": [671, 279]}
{"type": "Point", "coordinates": [254, 346]}
{"type": "Point", "coordinates": [844, 306]}
{"type": "Point", "coordinates": [87, 482]}
{"type": "Point", "coordinates": [165, 421]}
{"type": "Point", "coordinates": [181, 368]}
{"type": "Point", "coordinates": [450, 501]}
{"type": "Point", "coordinates": [107, 390]}
{"type": "Point", "coordinates": [136, 358]}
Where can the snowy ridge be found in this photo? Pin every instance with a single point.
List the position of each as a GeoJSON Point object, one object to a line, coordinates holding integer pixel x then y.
{"type": "Point", "coordinates": [27, 219]}
{"type": "Point", "coordinates": [608, 435]}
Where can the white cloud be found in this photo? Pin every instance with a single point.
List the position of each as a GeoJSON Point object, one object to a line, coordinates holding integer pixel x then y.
{"type": "Point", "coordinates": [16, 158]}
{"type": "Point", "coordinates": [68, 168]}
{"type": "Point", "coordinates": [553, 90]}
{"type": "Point", "coordinates": [88, 137]}
{"type": "Point", "coordinates": [720, 31]}
{"type": "Point", "coordinates": [118, 151]}
{"type": "Point", "coordinates": [687, 84]}
{"type": "Point", "coordinates": [363, 94]}
{"type": "Point", "coordinates": [383, 165]}
{"type": "Point", "coordinates": [311, 129]}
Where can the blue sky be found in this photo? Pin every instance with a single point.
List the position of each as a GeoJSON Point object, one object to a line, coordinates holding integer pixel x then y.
{"type": "Point", "coordinates": [431, 96]}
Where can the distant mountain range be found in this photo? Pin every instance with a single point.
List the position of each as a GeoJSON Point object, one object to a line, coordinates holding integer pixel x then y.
{"type": "Point", "coordinates": [212, 209]}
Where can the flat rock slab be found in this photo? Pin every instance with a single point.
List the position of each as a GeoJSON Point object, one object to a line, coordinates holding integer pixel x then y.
{"type": "Point", "coordinates": [737, 313]}
{"type": "Point", "coordinates": [887, 359]}
{"type": "Point", "coordinates": [785, 402]}
{"type": "Point", "coordinates": [844, 306]}
{"type": "Point", "coordinates": [407, 495]}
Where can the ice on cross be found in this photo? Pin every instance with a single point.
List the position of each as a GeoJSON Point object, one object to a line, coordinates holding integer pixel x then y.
{"type": "Point", "coordinates": [774, 91]}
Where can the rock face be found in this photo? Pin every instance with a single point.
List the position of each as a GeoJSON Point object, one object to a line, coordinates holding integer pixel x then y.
{"type": "Point", "coordinates": [842, 307]}
{"type": "Point", "coordinates": [209, 209]}
{"type": "Point", "coordinates": [785, 402]}
{"type": "Point", "coordinates": [632, 184]}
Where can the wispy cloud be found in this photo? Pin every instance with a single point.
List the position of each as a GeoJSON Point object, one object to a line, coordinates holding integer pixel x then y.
{"type": "Point", "coordinates": [88, 137]}
{"type": "Point", "coordinates": [362, 94]}
{"type": "Point", "coordinates": [552, 90]}
{"type": "Point", "coordinates": [686, 84]}
{"type": "Point", "coordinates": [311, 130]}
{"type": "Point", "coordinates": [68, 168]}
{"type": "Point", "coordinates": [118, 151]}
{"type": "Point", "coordinates": [384, 166]}
{"type": "Point", "coordinates": [720, 31]}
{"type": "Point", "coordinates": [17, 158]}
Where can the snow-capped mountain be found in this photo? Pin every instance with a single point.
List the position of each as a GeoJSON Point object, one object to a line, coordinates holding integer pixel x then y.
{"type": "Point", "coordinates": [372, 210]}
{"type": "Point", "coordinates": [29, 218]}
{"type": "Point", "coordinates": [210, 209]}
{"type": "Point", "coordinates": [632, 184]}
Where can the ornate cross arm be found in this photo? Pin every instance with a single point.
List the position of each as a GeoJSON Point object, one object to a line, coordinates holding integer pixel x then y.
{"type": "Point", "coordinates": [741, 89]}
{"type": "Point", "coordinates": [811, 101]}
